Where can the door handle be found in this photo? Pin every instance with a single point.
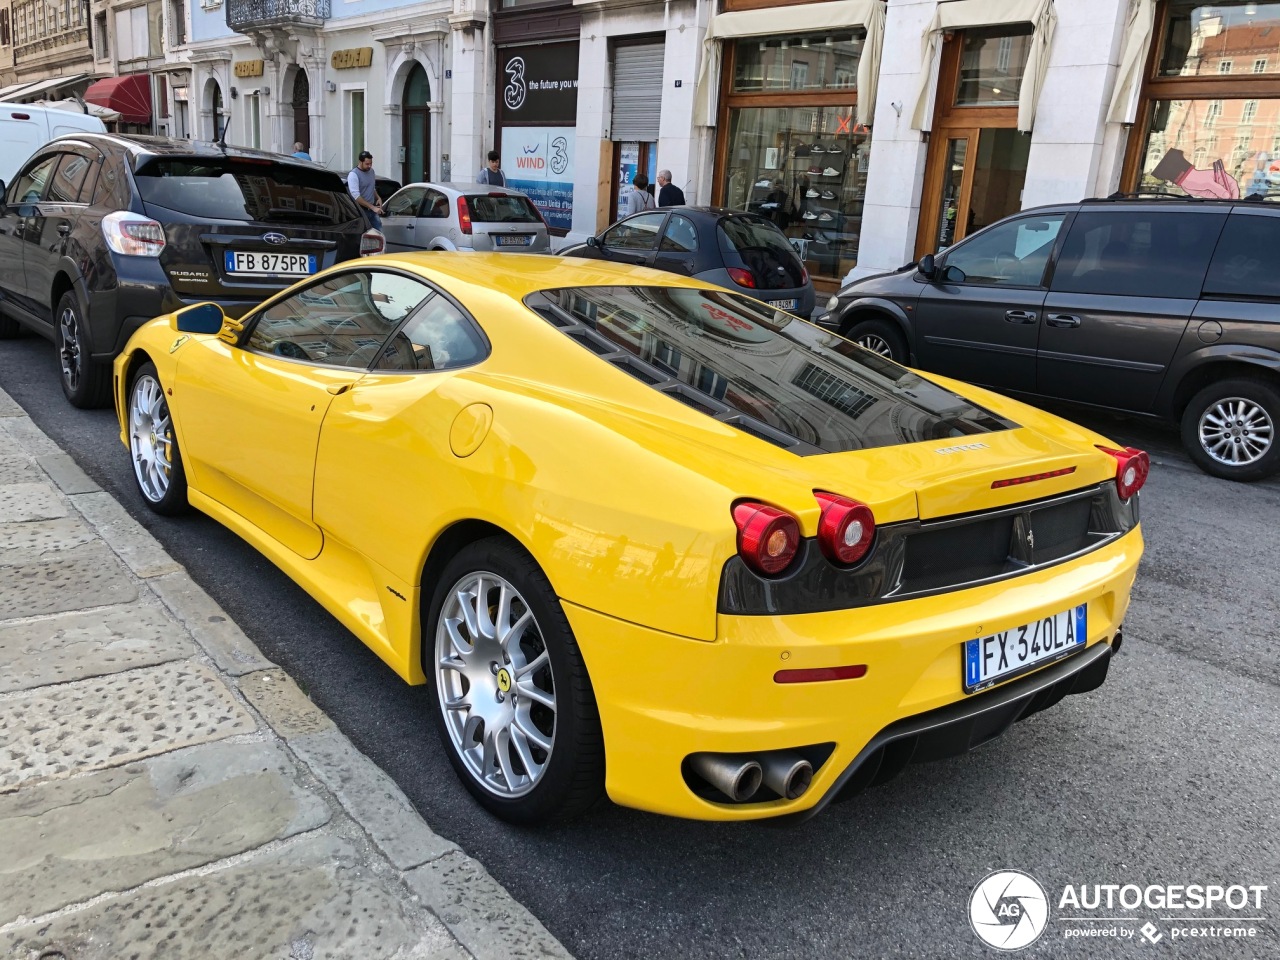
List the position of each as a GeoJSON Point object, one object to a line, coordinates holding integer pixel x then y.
{"type": "Point", "coordinates": [408, 226]}
{"type": "Point", "coordinates": [64, 228]}
{"type": "Point", "coordinates": [1020, 316]}
{"type": "Point", "coordinates": [1062, 320]}
{"type": "Point", "coordinates": [336, 389]}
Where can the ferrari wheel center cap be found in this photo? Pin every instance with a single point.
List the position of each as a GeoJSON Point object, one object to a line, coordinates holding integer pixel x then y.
{"type": "Point", "coordinates": [504, 680]}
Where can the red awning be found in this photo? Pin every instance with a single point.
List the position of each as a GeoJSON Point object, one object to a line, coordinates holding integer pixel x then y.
{"type": "Point", "coordinates": [129, 95]}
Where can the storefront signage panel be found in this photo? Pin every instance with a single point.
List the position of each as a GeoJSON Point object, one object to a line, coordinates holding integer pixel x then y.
{"type": "Point", "coordinates": [538, 161]}
{"type": "Point", "coordinates": [539, 83]}
{"type": "Point", "coordinates": [349, 59]}
{"type": "Point", "coordinates": [248, 68]}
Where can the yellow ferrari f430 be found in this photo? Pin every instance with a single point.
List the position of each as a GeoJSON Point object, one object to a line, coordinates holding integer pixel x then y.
{"type": "Point", "coordinates": [642, 536]}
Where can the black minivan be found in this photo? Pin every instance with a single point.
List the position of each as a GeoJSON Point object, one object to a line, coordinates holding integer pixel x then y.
{"type": "Point", "coordinates": [101, 232]}
{"type": "Point", "coordinates": [1153, 305]}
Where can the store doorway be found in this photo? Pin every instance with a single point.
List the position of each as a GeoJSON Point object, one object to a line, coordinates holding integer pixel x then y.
{"type": "Point", "coordinates": [416, 115]}
{"type": "Point", "coordinates": [301, 110]}
{"type": "Point", "coordinates": [629, 158]}
{"type": "Point", "coordinates": [977, 162]}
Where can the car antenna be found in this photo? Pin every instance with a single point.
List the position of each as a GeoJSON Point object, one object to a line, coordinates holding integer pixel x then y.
{"type": "Point", "coordinates": [222, 137]}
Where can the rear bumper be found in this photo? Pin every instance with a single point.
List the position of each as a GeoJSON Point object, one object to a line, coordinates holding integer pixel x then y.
{"type": "Point", "coordinates": [662, 698]}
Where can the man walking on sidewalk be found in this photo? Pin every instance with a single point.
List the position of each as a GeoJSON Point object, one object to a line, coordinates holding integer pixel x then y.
{"type": "Point", "coordinates": [363, 184]}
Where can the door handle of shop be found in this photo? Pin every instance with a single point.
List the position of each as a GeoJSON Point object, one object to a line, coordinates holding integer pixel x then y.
{"type": "Point", "coordinates": [1062, 320]}
{"type": "Point", "coordinates": [1020, 316]}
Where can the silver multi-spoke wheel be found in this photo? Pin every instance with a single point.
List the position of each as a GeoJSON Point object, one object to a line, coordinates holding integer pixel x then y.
{"type": "Point", "coordinates": [69, 353]}
{"type": "Point", "coordinates": [876, 344]}
{"type": "Point", "coordinates": [1236, 431]}
{"type": "Point", "coordinates": [493, 678]}
{"type": "Point", "coordinates": [151, 438]}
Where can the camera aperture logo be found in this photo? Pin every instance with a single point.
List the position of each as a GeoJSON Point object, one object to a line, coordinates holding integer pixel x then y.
{"type": "Point", "coordinates": [1008, 910]}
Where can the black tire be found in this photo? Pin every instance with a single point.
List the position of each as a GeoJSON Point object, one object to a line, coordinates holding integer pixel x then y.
{"type": "Point", "coordinates": [1243, 415]}
{"type": "Point", "coordinates": [10, 329]}
{"type": "Point", "coordinates": [879, 336]}
{"type": "Point", "coordinates": [572, 775]}
{"type": "Point", "coordinates": [87, 384]}
{"type": "Point", "coordinates": [141, 424]}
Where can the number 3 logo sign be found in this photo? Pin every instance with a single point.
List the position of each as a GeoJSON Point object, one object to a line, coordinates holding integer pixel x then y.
{"type": "Point", "coordinates": [559, 155]}
{"type": "Point", "coordinates": [516, 90]}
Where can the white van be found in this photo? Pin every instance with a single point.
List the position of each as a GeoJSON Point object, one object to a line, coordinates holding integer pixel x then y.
{"type": "Point", "coordinates": [26, 127]}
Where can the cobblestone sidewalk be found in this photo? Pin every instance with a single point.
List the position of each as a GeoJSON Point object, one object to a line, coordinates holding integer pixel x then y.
{"type": "Point", "coordinates": [166, 791]}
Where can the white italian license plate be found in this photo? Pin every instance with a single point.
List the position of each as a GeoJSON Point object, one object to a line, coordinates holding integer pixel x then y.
{"type": "Point", "coordinates": [1000, 656]}
{"type": "Point", "coordinates": [514, 240]}
{"type": "Point", "coordinates": [260, 264]}
{"type": "Point", "coordinates": [784, 304]}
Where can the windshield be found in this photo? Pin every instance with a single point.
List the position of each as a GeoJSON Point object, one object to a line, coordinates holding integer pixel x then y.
{"type": "Point", "coordinates": [502, 208]}
{"type": "Point", "coordinates": [248, 190]}
{"type": "Point", "coordinates": [759, 365]}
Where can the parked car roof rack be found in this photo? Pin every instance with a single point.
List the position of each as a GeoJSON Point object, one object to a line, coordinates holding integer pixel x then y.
{"type": "Point", "coordinates": [1155, 195]}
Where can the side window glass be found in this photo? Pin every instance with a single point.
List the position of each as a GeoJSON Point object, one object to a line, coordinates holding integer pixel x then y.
{"type": "Point", "coordinates": [680, 236]}
{"type": "Point", "coordinates": [405, 203]}
{"type": "Point", "coordinates": [1247, 261]}
{"type": "Point", "coordinates": [342, 321]}
{"type": "Point", "coordinates": [1130, 253]}
{"type": "Point", "coordinates": [435, 205]}
{"type": "Point", "coordinates": [68, 178]}
{"type": "Point", "coordinates": [1012, 254]}
{"type": "Point", "coordinates": [635, 233]}
{"type": "Point", "coordinates": [438, 337]}
{"type": "Point", "coordinates": [112, 191]}
{"type": "Point", "coordinates": [30, 186]}
{"type": "Point", "coordinates": [90, 180]}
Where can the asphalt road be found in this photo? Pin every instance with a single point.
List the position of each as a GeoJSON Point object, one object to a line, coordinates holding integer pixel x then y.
{"type": "Point", "coordinates": [1169, 774]}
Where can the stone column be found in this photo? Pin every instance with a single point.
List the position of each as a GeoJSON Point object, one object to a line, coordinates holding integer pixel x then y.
{"type": "Point", "coordinates": [472, 130]}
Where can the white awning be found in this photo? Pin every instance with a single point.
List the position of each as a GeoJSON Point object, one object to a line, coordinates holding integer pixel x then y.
{"type": "Point", "coordinates": [36, 90]}
{"type": "Point", "coordinates": [804, 18]}
{"type": "Point", "coordinates": [105, 114]}
{"type": "Point", "coordinates": [13, 88]}
{"type": "Point", "coordinates": [1138, 30]}
{"type": "Point", "coordinates": [961, 14]}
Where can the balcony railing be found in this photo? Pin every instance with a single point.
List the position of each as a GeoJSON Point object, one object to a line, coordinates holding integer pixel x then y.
{"type": "Point", "coordinates": [245, 15]}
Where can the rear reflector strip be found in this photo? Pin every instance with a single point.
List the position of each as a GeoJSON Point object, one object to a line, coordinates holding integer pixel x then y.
{"type": "Point", "coordinates": [818, 674]}
{"type": "Point", "coordinates": [1014, 481]}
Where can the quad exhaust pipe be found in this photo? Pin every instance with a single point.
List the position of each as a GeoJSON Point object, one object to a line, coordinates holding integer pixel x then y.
{"type": "Point", "coordinates": [736, 778]}
{"type": "Point", "coordinates": [739, 778]}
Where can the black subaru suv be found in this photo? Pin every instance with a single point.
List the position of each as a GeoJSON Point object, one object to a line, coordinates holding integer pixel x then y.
{"type": "Point", "coordinates": [1148, 304]}
{"type": "Point", "coordinates": [100, 232]}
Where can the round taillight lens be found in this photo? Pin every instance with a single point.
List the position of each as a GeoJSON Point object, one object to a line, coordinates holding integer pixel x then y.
{"type": "Point", "coordinates": [846, 529]}
{"type": "Point", "coordinates": [1133, 466]}
{"type": "Point", "coordinates": [768, 538]}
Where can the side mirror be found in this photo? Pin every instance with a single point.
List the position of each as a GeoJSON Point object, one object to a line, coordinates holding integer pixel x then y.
{"type": "Point", "coordinates": [927, 268]}
{"type": "Point", "coordinates": [201, 318]}
{"type": "Point", "coordinates": [4, 189]}
{"type": "Point", "coordinates": [593, 243]}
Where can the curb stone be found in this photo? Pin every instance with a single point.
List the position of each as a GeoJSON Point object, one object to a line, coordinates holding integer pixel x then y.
{"type": "Point", "coordinates": [485, 920]}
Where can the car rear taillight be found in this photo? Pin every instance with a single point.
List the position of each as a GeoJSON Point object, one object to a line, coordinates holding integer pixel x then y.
{"type": "Point", "coordinates": [372, 242]}
{"type": "Point", "coordinates": [464, 215]}
{"type": "Point", "coordinates": [768, 538]}
{"type": "Point", "coordinates": [742, 278]}
{"type": "Point", "coordinates": [804, 275]}
{"type": "Point", "coordinates": [1132, 468]}
{"type": "Point", "coordinates": [845, 529]}
{"type": "Point", "coordinates": [133, 234]}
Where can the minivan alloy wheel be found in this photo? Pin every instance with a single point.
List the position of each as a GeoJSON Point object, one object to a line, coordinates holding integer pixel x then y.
{"type": "Point", "coordinates": [875, 343]}
{"type": "Point", "coordinates": [1236, 431]}
{"type": "Point", "coordinates": [494, 682]}
{"type": "Point", "coordinates": [151, 438]}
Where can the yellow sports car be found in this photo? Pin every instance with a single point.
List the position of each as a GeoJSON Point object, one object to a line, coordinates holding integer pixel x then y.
{"type": "Point", "coordinates": [641, 535]}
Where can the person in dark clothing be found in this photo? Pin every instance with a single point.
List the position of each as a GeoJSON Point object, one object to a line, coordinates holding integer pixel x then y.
{"type": "Point", "coordinates": [492, 173]}
{"type": "Point", "coordinates": [669, 195]}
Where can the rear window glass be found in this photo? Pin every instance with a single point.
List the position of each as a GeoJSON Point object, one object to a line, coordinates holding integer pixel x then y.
{"type": "Point", "coordinates": [502, 209]}
{"type": "Point", "coordinates": [1247, 261]}
{"type": "Point", "coordinates": [230, 189]}
{"type": "Point", "coordinates": [750, 366]}
{"type": "Point", "coordinates": [761, 247]}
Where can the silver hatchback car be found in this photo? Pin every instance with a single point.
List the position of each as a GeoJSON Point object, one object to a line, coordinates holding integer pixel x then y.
{"type": "Point", "coordinates": [463, 216]}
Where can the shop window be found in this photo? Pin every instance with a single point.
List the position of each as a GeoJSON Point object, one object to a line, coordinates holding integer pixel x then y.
{"type": "Point", "coordinates": [1182, 157]}
{"type": "Point", "coordinates": [804, 168]}
{"type": "Point", "coordinates": [1208, 39]}
{"type": "Point", "coordinates": [251, 104]}
{"type": "Point", "coordinates": [991, 65]}
{"type": "Point", "coordinates": [355, 124]}
{"type": "Point", "coordinates": [812, 62]}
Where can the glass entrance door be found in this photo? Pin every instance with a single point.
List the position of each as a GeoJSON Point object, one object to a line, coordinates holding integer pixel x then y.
{"type": "Point", "coordinates": [417, 94]}
{"type": "Point", "coordinates": [977, 176]}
